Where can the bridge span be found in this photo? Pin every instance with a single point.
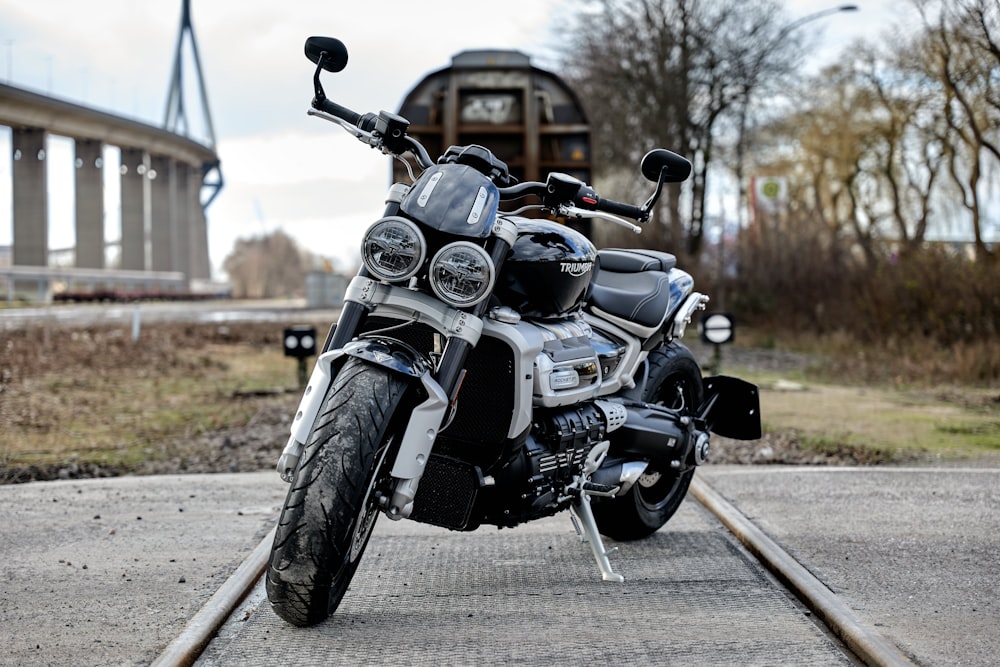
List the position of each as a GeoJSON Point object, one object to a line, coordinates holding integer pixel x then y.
{"type": "Point", "coordinates": [163, 224]}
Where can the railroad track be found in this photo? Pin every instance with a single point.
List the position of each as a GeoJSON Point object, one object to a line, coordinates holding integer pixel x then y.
{"type": "Point", "coordinates": [857, 642]}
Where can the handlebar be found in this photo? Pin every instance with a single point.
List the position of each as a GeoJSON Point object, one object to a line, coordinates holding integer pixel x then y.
{"type": "Point", "coordinates": [624, 210]}
{"type": "Point", "coordinates": [364, 122]}
{"type": "Point", "coordinates": [386, 131]}
{"type": "Point", "coordinates": [564, 190]}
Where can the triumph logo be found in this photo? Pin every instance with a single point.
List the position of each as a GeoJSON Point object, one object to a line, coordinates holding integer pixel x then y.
{"type": "Point", "coordinates": [576, 268]}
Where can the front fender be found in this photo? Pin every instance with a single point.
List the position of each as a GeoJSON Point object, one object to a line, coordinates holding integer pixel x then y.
{"type": "Point", "coordinates": [424, 421]}
{"type": "Point", "coordinates": [390, 353]}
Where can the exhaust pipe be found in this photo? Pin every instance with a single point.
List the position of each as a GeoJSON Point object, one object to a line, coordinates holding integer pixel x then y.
{"type": "Point", "coordinates": [660, 434]}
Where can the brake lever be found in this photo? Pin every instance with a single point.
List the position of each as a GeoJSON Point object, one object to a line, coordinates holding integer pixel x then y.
{"type": "Point", "coordinates": [574, 212]}
{"type": "Point", "coordinates": [359, 134]}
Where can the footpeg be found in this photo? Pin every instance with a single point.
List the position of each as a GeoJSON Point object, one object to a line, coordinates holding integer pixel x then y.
{"type": "Point", "coordinates": [595, 489]}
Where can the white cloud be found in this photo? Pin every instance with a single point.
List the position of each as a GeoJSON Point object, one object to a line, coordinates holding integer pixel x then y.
{"type": "Point", "coordinates": [295, 157]}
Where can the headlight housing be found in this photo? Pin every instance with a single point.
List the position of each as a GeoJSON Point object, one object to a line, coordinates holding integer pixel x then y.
{"type": "Point", "coordinates": [393, 249]}
{"type": "Point", "coordinates": [462, 274]}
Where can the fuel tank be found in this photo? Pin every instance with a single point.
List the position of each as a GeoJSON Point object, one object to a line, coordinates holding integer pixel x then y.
{"type": "Point", "coordinates": [548, 270]}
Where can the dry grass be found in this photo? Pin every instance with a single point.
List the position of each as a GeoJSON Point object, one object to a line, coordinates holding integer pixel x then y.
{"type": "Point", "coordinates": [955, 423]}
{"type": "Point", "coordinates": [93, 396]}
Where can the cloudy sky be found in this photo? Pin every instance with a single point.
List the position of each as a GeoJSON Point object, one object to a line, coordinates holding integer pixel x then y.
{"type": "Point", "coordinates": [282, 169]}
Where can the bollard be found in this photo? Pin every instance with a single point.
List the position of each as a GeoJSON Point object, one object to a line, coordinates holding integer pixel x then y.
{"type": "Point", "coordinates": [136, 322]}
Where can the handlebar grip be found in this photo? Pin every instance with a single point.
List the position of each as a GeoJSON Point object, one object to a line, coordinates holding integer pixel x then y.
{"type": "Point", "coordinates": [624, 210]}
{"type": "Point", "coordinates": [343, 113]}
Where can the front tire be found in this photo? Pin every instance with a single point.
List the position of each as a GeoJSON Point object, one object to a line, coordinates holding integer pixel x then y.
{"type": "Point", "coordinates": [331, 506]}
{"type": "Point", "coordinates": [674, 382]}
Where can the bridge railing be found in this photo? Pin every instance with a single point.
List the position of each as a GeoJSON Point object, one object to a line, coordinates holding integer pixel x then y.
{"type": "Point", "coordinates": [43, 278]}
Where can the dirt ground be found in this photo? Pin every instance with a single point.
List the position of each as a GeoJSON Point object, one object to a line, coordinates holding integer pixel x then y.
{"type": "Point", "coordinates": [107, 357]}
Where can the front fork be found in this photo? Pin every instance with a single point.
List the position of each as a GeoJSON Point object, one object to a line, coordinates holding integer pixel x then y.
{"type": "Point", "coordinates": [421, 427]}
{"type": "Point", "coordinates": [441, 388]}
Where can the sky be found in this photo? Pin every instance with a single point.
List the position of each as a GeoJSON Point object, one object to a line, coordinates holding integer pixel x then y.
{"type": "Point", "coordinates": [283, 169]}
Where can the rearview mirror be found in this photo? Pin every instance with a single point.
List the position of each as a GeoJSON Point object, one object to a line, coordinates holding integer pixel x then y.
{"type": "Point", "coordinates": [677, 168]}
{"type": "Point", "coordinates": [335, 52]}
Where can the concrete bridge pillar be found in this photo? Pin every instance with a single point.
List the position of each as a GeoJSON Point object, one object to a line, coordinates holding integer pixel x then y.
{"type": "Point", "coordinates": [30, 197]}
{"type": "Point", "coordinates": [182, 218]}
{"type": "Point", "coordinates": [163, 213]}
{"type": "Point", "coordinates": [89, 204]}
{"type": "Point", "coordinates": [200, 265]}
{"type": "Point", "coordinates": [133, 203]}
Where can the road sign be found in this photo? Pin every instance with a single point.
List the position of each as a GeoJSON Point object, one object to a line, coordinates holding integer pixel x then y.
{"type": "Point", "coordinates": [717, 328]}
{"type": "Point", "coordinates": [299, 342]}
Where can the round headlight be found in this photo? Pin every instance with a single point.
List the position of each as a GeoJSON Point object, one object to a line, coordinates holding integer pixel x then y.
{"type": "Point", "coordinates": [462, 274]}
{"type": "Point", "coordinates": [393, 249]}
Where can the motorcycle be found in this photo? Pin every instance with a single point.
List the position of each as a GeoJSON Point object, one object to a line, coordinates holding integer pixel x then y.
{"type": "Point", "coordinates": [493, 368]}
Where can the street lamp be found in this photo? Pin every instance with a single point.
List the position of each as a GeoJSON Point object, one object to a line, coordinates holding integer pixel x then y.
{"type": "Point", "coordinates": [812, 17]}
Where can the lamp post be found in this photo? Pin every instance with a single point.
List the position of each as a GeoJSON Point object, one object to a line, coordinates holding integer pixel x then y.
{"type": "Point", "coordinates": [812, 17]}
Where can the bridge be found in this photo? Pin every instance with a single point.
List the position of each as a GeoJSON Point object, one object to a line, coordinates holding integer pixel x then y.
{"type": "Point", "coordinates": [163, 173]}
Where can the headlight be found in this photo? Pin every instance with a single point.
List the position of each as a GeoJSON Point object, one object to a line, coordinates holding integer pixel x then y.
{"type": "Point", "coordinates": [393, 249]}
{"type": "Point", "coordinates": [462, 274]}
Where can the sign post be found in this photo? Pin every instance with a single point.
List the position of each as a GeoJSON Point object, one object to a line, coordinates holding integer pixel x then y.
{"type": "Point", "coordinates": [300, 343]}
{"type": "Point", "coordinates": [717, 330]}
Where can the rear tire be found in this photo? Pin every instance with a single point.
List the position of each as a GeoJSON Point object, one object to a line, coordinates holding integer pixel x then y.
{"type": "Point", "coordinates": [331, 508]}
{"type": "Point", "coordinates": [674, 382]}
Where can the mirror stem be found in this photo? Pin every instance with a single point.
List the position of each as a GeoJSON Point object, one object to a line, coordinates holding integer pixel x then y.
{"type": "Point", "coordinates": [319, 93]}
{"type": "Point", "coordinates": [647, 208]}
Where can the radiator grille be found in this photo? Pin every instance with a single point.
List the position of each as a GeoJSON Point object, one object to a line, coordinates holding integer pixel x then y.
{"type": "Point", "coordinates": [486, 401]}
{"type": "Point", "coordinates": [446, 494]}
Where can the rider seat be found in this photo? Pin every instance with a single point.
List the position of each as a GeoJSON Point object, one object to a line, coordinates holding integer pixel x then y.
{"type": "Point", "coordinates": [631, 288]}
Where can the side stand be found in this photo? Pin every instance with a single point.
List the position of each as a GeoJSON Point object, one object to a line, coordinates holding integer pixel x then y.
{"type": "Point", "coordinates": [586, 528]}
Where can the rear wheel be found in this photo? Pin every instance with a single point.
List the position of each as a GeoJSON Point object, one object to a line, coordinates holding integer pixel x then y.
{"type": "Point", "coordinates": [674, 382]}
{"type": "Point", "coordinates": [331, 507]}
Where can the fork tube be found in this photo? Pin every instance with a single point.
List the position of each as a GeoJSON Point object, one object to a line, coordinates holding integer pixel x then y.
{"type": "Point", "coordinates": [352, 318]}
{"type": "Point", "coordinates": [456, 351]}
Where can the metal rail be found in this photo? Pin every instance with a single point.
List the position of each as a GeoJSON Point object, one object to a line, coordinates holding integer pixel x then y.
{"type": "Point", "coordinates": [43, 275]}
{"type": "Point", "coordinates": [186, 648]}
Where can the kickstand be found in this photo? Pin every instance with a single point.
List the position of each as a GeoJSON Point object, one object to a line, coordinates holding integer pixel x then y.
{"type": "Point", "coordinates": [583, 517]}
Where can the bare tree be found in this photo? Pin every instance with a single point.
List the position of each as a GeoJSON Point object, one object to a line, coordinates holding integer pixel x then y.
{"type": "Point", "coordinates": [266, 267]}
{"type": "Point", "coordinates": [906, 148]}
{"type": "Point", "coordinates": [667, 73]}
{"type": "Point", "coordinates": [962, 57]}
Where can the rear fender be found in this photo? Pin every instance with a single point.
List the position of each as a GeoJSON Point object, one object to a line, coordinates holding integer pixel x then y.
{"type": "Point", "coordinates": [731, 408]}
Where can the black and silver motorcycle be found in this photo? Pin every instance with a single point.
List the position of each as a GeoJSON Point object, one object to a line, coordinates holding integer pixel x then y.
{"type": "Point", "coordinates": [491, 368]}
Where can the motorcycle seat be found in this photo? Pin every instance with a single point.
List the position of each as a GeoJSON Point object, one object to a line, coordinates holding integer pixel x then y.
{"type": "Point", "coordinates": [632, 288]}
{"type": "Point", "coordinates": [633, 261]}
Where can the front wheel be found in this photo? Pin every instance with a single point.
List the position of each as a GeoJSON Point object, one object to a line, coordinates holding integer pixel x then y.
{"type": "Point", "coordinates": [674, 382]}
{"type": "Point", "coordinates": [331, 507]}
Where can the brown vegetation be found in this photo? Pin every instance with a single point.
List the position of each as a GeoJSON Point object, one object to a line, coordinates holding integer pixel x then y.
{"type": "Point", "coordinates": [932, 316]}
{"type": "Point", "coordinates": [887, 149]}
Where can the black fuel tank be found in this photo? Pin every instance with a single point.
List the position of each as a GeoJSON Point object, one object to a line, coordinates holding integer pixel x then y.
{"type": "Point", "coordinates": [548, 269]}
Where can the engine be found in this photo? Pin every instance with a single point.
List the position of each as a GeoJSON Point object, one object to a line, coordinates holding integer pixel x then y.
{"type": "Point", "coordinates": [553, 453]}
{"type": "Point", "coordinates": [577, 362]}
